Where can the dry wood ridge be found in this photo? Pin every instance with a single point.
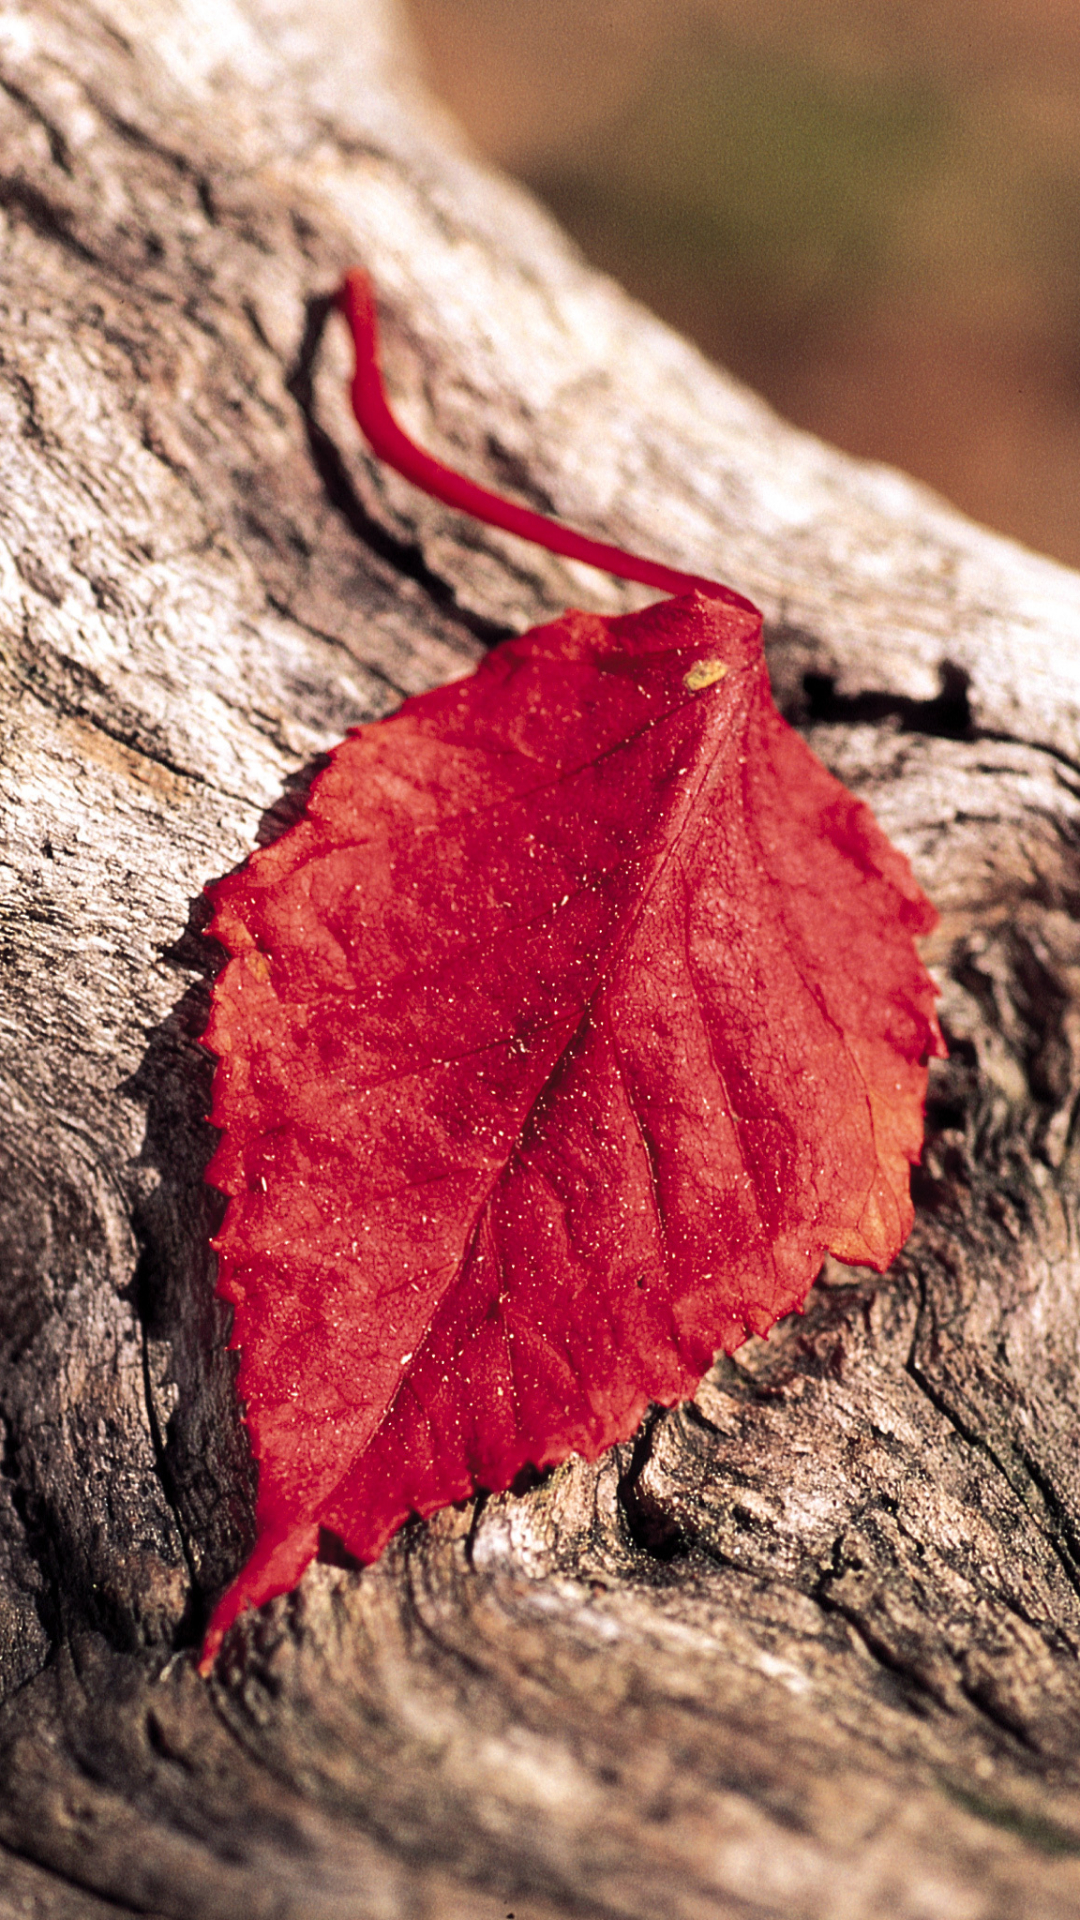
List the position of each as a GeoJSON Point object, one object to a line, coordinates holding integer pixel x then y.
{"type": "Point", "coordinates": [809, 1646]}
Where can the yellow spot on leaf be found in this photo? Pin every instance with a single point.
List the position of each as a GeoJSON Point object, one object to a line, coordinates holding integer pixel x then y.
{"type": "Point", "coordinates": [703, 673]}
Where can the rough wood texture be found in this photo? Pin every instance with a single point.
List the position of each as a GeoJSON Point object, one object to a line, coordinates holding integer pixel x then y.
{"type": "Point", "coordinates": [809, 1646]}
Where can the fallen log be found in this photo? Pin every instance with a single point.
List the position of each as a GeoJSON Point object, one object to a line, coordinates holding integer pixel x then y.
{"type": "Point", "coordinates": [807, 1645]}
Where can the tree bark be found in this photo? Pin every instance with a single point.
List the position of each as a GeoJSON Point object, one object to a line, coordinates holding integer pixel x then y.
{"type": "Point", "coordinates": [806, 1647]}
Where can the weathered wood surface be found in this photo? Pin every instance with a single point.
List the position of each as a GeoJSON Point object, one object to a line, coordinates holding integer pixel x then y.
{"type": "Point", "coordinates": [809, 1647]}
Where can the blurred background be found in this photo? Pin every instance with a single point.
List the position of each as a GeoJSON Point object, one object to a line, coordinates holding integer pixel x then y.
{"type": "Point", "coordinates": [871, 212]}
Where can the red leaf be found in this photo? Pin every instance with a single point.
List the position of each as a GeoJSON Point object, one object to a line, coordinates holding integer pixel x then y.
{"type": "Point", "coordinates": [576, 1021]}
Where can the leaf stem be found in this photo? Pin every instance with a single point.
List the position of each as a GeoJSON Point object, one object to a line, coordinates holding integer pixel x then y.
{"type": "Point", "coordinates": [356, 301]}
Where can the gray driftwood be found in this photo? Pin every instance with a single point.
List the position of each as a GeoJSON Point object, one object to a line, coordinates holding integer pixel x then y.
{"type": "Point", "coordinates": [808, 1646]}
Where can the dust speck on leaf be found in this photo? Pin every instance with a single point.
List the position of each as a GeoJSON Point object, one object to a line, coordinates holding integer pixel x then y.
{"type": "Point", "coordinates": [704, 673]}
